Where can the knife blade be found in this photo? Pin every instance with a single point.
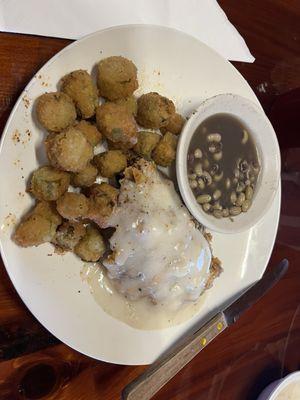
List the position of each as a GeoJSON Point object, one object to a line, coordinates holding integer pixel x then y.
{"type": "Point", "coordinates": [166, 367]}
{"type": "Point", "coordinates": [255, 292]}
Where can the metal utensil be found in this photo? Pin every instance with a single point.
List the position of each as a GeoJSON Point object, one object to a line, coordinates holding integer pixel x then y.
{"type": "Point", "coordinates": [160, 372]}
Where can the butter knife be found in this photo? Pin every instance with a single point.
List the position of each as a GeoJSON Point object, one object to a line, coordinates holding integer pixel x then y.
{"type": "Point", "coordinates": [165, 368]}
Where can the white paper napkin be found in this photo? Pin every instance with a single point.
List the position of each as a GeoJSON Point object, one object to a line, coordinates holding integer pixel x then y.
{"type": "Point", "coordinates": [73, 19]}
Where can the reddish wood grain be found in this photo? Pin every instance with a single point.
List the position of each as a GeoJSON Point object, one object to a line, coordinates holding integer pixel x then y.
{"type": "Point", "coordinates": [264, 342]}
{"type": "Point", "coordinates": [272, 31]}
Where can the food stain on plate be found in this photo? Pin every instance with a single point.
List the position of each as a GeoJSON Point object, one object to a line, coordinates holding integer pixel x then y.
{"type": "Point", "coordinates": [26, 101]}
{"type": "Point", "coordinates": [21, 195]}
{"type": "Point", "coordinates": [8, 223]}
{"type": "Point", "coordinates": [16, 136]}
{"type": "Point", "coordinates": [21, 138]}
{"type": "Point", "coordinates": [147, 80]}
{"type": "Point", "coordinates": [43, 80]}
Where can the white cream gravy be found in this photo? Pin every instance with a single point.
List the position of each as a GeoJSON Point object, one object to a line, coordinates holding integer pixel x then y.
{"type": "Point", "coordinates": [141, 314]}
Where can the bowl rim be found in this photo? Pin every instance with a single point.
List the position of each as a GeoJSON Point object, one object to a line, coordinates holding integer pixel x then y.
{"type": "Point", "coordinates": [208, 221]}
{"type": "Point", "coordinates": [284, 382]}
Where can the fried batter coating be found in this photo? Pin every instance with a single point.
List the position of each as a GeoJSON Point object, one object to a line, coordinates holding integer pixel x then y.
{"type": "Point", "coordinates": [116, 124]}
{"type": "Point", "coordinates": [82, 90]}
{"type": "Point", "coordinates": [39, 226]}
{"type": "Point", "coordinates": [47, 210]}
{"type": "Point", "coordinates": [92, 246]}
{"type": "Point", "coordinates": [110, 162]}
{"type": "Point", "coordinates": [69, 150]}
{"type": "Point", "coordinates": [55, 111]}
{"type": "Point", "coordinates": [48, 183]}
{"type": "Point", "coordinates": [146, 143]}
{"type": "Point", "coordinates": [175, 124]}
{"type": "Point", "coordinates": [72, 206]}
{"type": "Point", "coordinates": [119, 146]}
{"type": "Point", "coordinates": [154, 110]}
{"type": "Point", "coordinates": [117, 78]}
{"type": "Point", "coordinates": [165, 151]}
{"type": "Point", "coordinates": [68, 235]}
{"type": "Point", "coordinates": [130, 103]}
{"type": "Point", "coordinates": [99, 189]}
{"type": "Point", "coordinates": [103, 198]}
{"type": "Point", "coordinates": [90, 131]}
{"type": "Point", "coordinates": [86, 177]}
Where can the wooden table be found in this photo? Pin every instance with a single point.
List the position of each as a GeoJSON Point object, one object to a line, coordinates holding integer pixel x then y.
{"type": "Point", "coordinates": [265, 343]}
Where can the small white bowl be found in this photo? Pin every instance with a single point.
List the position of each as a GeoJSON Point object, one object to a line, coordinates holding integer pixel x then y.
{"type": "Point", "coordinates": [262, 132]}
{"type": "Point", "coordinates": [275, 388]}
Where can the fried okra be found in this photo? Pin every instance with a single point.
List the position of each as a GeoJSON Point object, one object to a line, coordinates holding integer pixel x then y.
{"type": "Point", "coordinates": [68, 235]}
{"type": "Point", "coordinates": [119, 146]}
{"type": "Point", "coordinates": [82, 90]}
{"type": "Point", "coordinates": [47, 209]}
{"type": "Point", "coordinates": [55, 111]}
{"type": "Point", "coordinates": [146, 143]}
{"type": "Point", "coordinates": [92, 246]}
{"type": "Point", "coordinates": [116, 124]}
{"type": "Point", "coordinates": [110, 162]}
{"type": "Point", "coordinates": [85, 177]}
{"type": "Point", "coordinates": [99, 189]}
{"type": "Point", "coordinates": [103, 198]}
{"type": "Point", "coordinates": [130, 103]}
{"type": "Point", "coordinates": [175, 124]}
{"type": "Point", "coordinates": [90, 132]}
{"type": "Point", "coordinates": [48, 183]}
{"type": "Point", "coordinates": [72, 206]}
{"type": "Point", "coordinates": [69, 150]}
{"type": "Point", "coordinates": [154, 111]}
{"type": "Point", "coordinates": [117, 78]}
{"type": "Point", "coordinates": [39, 226]}
{"type": "Point", "coordinates": [165, 151]}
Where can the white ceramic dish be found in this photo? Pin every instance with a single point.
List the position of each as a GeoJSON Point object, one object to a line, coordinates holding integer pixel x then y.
{"type": "Point", "coordinates": [182, 68]}
{"type": "Point", "coordinates": [272, 391]}
{"type": "Point", "coordinates": [255, 120]}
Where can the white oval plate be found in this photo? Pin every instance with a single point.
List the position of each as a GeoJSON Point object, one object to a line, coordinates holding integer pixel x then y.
{"type": "Point", "coordinates": [182, 68]}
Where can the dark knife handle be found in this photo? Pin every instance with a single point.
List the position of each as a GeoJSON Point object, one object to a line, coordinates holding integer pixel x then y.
{"type": "Point", "coordinates": [155, 377]}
